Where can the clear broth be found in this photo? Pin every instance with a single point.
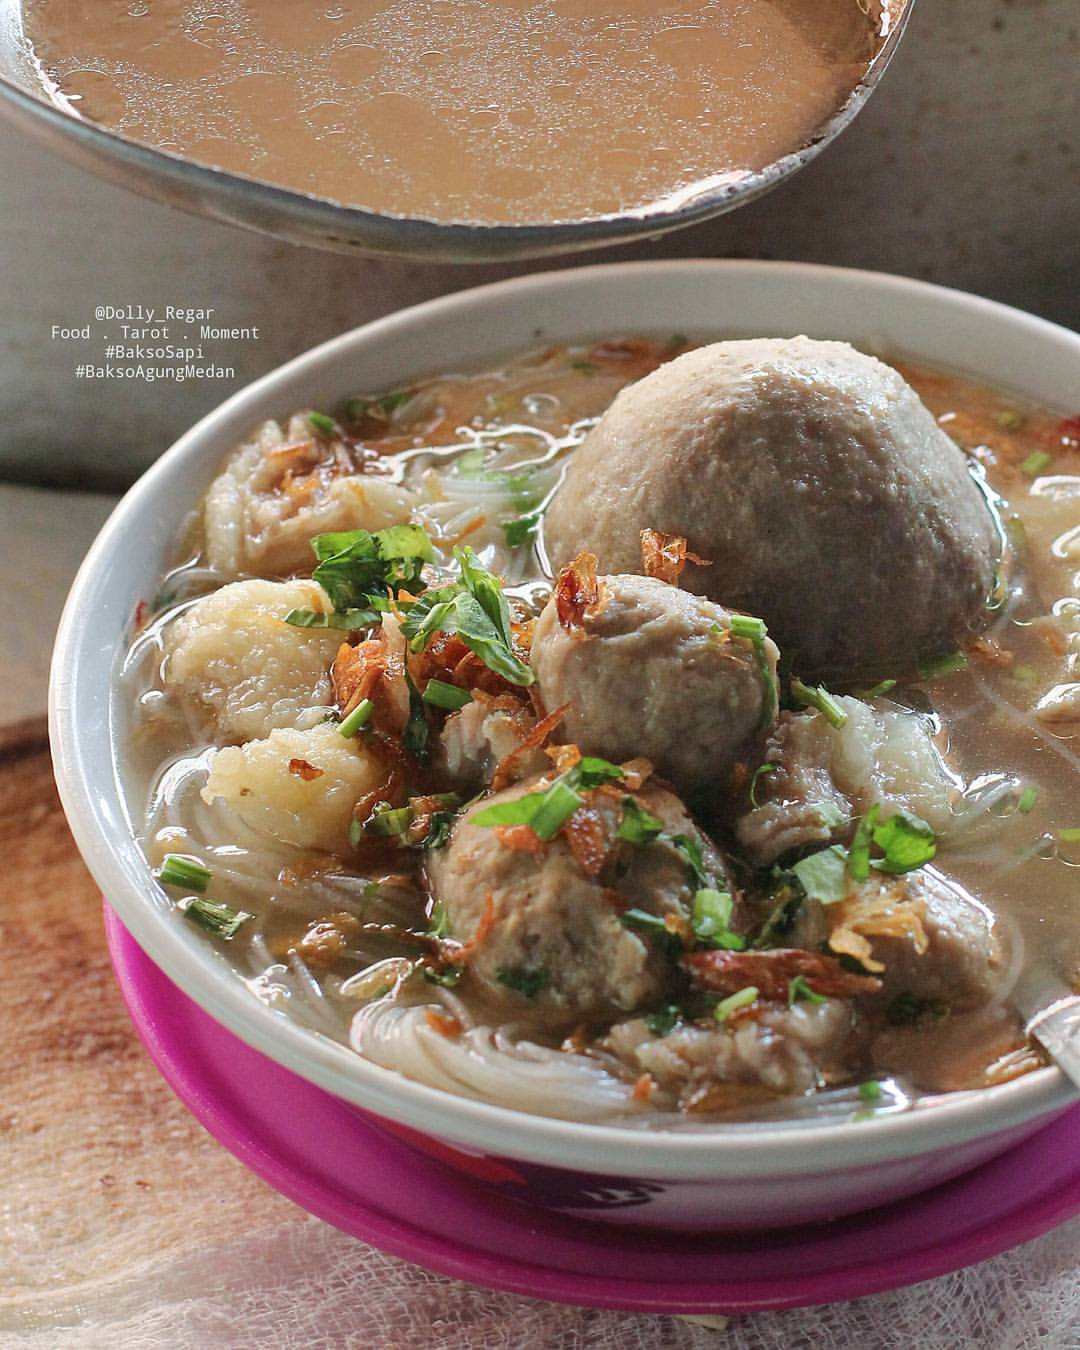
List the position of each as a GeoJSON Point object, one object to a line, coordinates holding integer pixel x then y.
{"type": "Point", "coordinates": [489, 113]}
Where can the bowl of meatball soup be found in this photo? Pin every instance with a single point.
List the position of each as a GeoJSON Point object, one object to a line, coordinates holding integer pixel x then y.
{"type": "Point", "coordinates": [621, 723]}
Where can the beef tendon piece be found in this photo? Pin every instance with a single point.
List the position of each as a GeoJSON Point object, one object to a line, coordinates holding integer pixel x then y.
{"type": "Point", "coordinates": [780, 1051]}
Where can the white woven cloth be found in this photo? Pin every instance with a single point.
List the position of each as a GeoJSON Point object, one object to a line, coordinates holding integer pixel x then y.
{"type": "Point", "coordinates": [305, 1285]}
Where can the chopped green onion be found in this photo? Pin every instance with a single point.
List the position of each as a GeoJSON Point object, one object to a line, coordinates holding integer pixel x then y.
{"type": "Point", "coordinates": [349, 620]}
{"type": "Point", "coordinates": [448, 799]}
{"type": "Point", "coordinates": [521, 529]}
{"type": "Point", "coordinates": [176, 870]}
{"type": "Point", "coordinates": [443, 695]}
{"type": "Point", "coordinates": [711, 919]}
{"type": "Point", "coordinates": [1070, 835]}
{"type": "Point", "coordinates": [469, 462]}
{"type": "Point", "coordinates": [876, 691]}
{"type": "Point", "coordinates": [357, 718]}
{"type": "Point", "coordinates": [415, 736]}
{"type": "Point", "coordinates": [1016, 533]}
{"type": "Point", "coordinates": [753, 630]}
{"type": "Point", "coordinates": [1036, 462]}
{"type": "Point", "coordinates": [759, 772]}
{"type": "Point", "coordinates": [358, 408]}
{"type": "Point", "coordinates": [391, 402]}
{"type": "Point", "coordinates": [712, 911]}
{"type": "Point", "coordinates": [518, 482]}
{"type": "Point", "coordinates": [675, 341]}
{"type": "Point", "coordinates": [642, 919]}
{"type": "Point", "coordinates": [559, 803]}
{"type": "Point", "coordinates": [585, 367]}
{"type": "Point", "coordinates": [325, 426]}
{"type": "Point", "coordinates": [934, 666]}
{"type": "Point", "coordinates": [527, 983]}
{"type": "Point", "coordinates": [1008, 419]}
{"type": "Point", "coordinates": [1028, 798]}
{"type": "Point", "coordinates": [652, 925]}
{"type": "Point", "coordinates": [870, 1091]}
{"type": "Point", "coordinates": [799, 989]}
{"type": "Point", "coordinates": [741, 999]}
{"type": "Point", "coordinates": [906, 841]}
{"type": "Point", "coordinates": [782, 918]}
{"type": "Point", "coordinates": [858, 858]}
{"type": "Point", "coordinates": [447, 977]}
{"type": "Point", "coordinates": [810, 696]}
{"type": "Point", "coordinates": [441, 828]}
{"type": "Point", "coordinates": [664, 1020]}
{"type": "Point", "coordinates": [823, 875]}
{"type": "Point", "coordinates": [389, 820]}
{"type": "Point", "coordinates": [439, 919]}
{"type": "Point", "coordinates": [221, 920]}
{"type": "Point", "coordinates": [638, 826]}
{"type": "Point", "coordinates": [746, 626]}
{"type": "Point", "coordinates": [1025, 674]}
{"type": "Point", "coordinates": [546, 812]}
{"type": "Point", "coordinates": [692, 856]}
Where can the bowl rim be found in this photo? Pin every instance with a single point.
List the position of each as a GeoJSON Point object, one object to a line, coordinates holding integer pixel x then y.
{"type": "Point", "coordinates": [289, 213]}
{"type": "Point", "coordinates": [95, 810]}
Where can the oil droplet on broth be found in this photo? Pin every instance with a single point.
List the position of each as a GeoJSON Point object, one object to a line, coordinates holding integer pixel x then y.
{"type": "Point", "coordinates": [488, 112]}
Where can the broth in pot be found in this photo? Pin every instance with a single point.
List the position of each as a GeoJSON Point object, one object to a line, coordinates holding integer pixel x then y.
{"type": "Point", "coordinates": [487, 113]}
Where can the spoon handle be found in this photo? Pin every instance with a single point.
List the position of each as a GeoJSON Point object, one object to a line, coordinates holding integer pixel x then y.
{"type": "Point", "coordinates": [1053, 1019]}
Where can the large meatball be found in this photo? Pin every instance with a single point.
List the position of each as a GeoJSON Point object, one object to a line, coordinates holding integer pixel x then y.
{"type": "Point", "coordinates": [653, 670]}
{"type": "Point", "coordinates": [553, 941]}
{"type": "Point", "coordinates": [822, 491]}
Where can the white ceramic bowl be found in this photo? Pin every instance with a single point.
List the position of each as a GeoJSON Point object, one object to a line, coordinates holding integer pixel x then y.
{"type": "Point", "coordinates": [733, 1176]}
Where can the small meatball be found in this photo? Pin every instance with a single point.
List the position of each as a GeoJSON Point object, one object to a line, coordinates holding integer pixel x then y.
{"type": "Point", "coordinates": [652, 670]}
{"type": "Point", "coordinates": [822, 491]}
{"type": "Point", "coordinates": [233, 653]}
{"type": "Point", "coordinates": [297, 787]}
{"type": "Point", "coordinates": [537, 916]}
{"type": "Point", "coordinates": [825, 775]}
{"type": "Point", "coordinates": [962, 963]}
{"type": "Point", "coordinates": [282, 488]}
{"type": "Point", "coordinates": [786, 1050]}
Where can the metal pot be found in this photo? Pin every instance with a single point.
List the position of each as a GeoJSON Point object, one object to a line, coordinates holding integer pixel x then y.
{"type": "Point", "coordinates": [303, 219]}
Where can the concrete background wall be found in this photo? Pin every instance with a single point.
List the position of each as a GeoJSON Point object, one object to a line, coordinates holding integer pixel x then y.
{"type": "Point", "coordinates": [962, 169]}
